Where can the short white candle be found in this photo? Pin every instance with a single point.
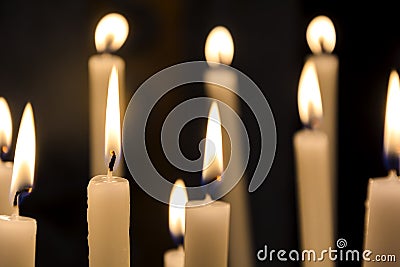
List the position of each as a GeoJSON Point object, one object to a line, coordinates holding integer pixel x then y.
{"type": "Point", "coordinates": [108, 196]}
{"type": "Point", "coordinates": [219, 48]}
{"type": "Point", "coordinates": [382, 218]}
{"type": "Point", "coordinates": [321, 38]}
{"type": "Point", "coordinates": [177, 202]}
{"type": "Point", "coordinates": [207, 221]}
{"type": "Point", "coordinates": [18, 233]}
{"type": "Point", "coordinates": [111, 33]}
{"type": "Point", "coordinates": [311, 147]}
{"type": "Point", "coordinates": [5, 166]}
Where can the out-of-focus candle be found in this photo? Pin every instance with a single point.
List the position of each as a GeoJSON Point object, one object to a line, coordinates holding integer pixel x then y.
{"type": "Point", "coordinates": [18, 233]}
{"type": "Point", "coordinates": [207, 221]}
{"type": "Point", "coordinates": [5, 166]}
{"type": "Point", "coordinates": [111, 33]}
{"type": "Point", "coordinates": [219, 48]}
{"type": "Point", "coordinates": [313, 169]}
{"type": "Point", "coordinates": [382, 218]}
{"type": "Point", "coordinates": [177, 202]}
{"type": "Point", "coordinates": [108, 196]}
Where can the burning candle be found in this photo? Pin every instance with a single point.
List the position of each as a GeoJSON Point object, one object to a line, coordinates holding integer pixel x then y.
{"type": "Point", "coordinates": [313, 169]}
{"type": "Point", "coordinates": [219, 48]}
{"type": "Point", "coordinates": [5, 166]}
{"type": "Point", "coordinates": [207, 221]}
{"type": "Point", "coordinates": [18, 233]}
{"type": "Point", "coordinates": [382, 216]}
{"type": "Point", "coordinates": [108, 196]}
{"type": "Point", "coordinates": [111, 33]}
{"type": "Point", "coordinates": [177, 202]}
{"type": "Point", "coordinates": [321, 38]}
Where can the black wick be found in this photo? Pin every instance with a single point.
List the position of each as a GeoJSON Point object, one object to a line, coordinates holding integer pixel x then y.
{"type": "Point", "coordinates": [112, 161]}
{"type": "Point", "coordinates": [321, 42]}
{"type": "Point", "coordinates": [20, 194]}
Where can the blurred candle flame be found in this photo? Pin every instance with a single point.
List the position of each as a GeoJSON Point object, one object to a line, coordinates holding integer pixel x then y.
{"type": "Point", "coordinates": [392, 121]}
{"type": "Point", "coordinates": [25, 153]}
{"type": "Point", "coordinates": [321, 35]}
{"type": "Point", "coordinates": [309, 96]}
{"type": "Point", "coordinates": [177, 202]}
{"type": "Point", "coordinates": [113, 123]}
{"type": "Point", "coordinates": [5, 126]}
{"type": "Point", "coordinates": [213, 157]}
{"type": "Point", "coordinates": [111, 32]}
{"type": "Point", "coordinates": [219, 46]}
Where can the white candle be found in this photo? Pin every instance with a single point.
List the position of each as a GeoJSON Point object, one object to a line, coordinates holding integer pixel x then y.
{"type": "Point", "coordinates": [108, 196]}
{"type": "Point", "coordinates": [18, 233]}
{"type": "Point", "coordinates": [311, 147]}
{"type": "Point", "coordinates": [219, 48]}
{"type": "Point", "coordinates": [177, 202]}
{"type": "Point", "coordinates": [321, 38]}
{"type": "Point", "coordinates": [5, 167]}
{"type": "Point", "coordinates": [207, 221]}
{"type": "Point", "coordinates": [111, 33]}
{"type": "Point", "coordinates": [382, 217]}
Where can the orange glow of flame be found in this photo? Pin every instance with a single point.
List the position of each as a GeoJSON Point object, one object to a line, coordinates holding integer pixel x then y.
{"type": "Point", "coordinates": [113, 123]}
{"type": "Point", "coordinates": [392, 118]}
{"type": "Point", "coordinates": [219, 46]}
{"type": "Point", "coordinates": [321, 35]}
{"type": "Point", "coordinates": [177, 202]}
{"type": "Point", "coordinates": [111, 32]}
{"type": "Point", "coordinates": [213, 157]}
{"type": "Point", "coordinates": [5, 126]}
{"type": "Point", "coordinates": [25, 153]}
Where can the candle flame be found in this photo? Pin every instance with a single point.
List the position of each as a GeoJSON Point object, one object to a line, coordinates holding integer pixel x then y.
{"type": "Point", "coordinates": [392, 118]}
{"type": "Point", "coordinates": [113, 117]}
{"type": "Point", "coordinates": [25, 152]}
{"type": "Point", "coordinates": [213, 157]}
{"type": "Point", "coordinates": [177, 202]}
{"type": "Point", "coordinates": [219, 46]}
{"type": "Point", "coordinates": [321, 35]}
{"type": "Point", "coordinates": [309, 95]}
{"type": "Point", "coordinates": [111, 32]}
{"type": "Point", "coordinates": [5, 126]}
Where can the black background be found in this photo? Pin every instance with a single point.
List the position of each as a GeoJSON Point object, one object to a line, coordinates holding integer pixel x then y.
{"type": "Point", "coordinates": [44, 49]}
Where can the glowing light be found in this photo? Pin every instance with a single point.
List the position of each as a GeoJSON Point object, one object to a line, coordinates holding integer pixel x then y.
{"type": "Point", "coordinates": [177, 202]}
{"type": "Point", "coordinates": [111, 32]}
{"type": "Point", "coordinates": [321, 35]}
{"type": "Point", "coordinates": [219, 46]}
{"type": "Point", "coordinates": [5, 126]}
{"type": "Point", "coordinates": [392, 118]}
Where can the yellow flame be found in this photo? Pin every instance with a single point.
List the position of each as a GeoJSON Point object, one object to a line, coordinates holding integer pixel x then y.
{"type": "Point", "coordinates": [321, 35]}
{"type": "Point", "coordinates": [213, 157]}
{"type": "Point", "coordinates": [25, 152]}
{"type": "Point", "coordinates": [177, 202]}
{"type": "Point", "coordinates": [5, 126]}
{"type": "Point", "coordinates": [113, 123]}
{"type": "Point", "coordinates": [111, 32]}
{"type": "Point", "coordinates": [392, 118]}
{"type": "Point", "coordinates": [219, 46]}
{"type": "Point", "coordinates": [309, 95]}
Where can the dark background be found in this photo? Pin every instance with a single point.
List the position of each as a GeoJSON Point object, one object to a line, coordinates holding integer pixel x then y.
{"type": "Point", "coordinates": [44, 50]}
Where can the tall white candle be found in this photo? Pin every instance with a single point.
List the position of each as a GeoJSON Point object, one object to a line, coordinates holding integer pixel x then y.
{"type": "Point", "coordinates": [5, 166]}
{"type": "Point", "coordinates": [207, 221]}
{"type": "Point", "coordinates": [219, 48]}
{"type": "Point", "coordinates": [382, 218]}
{"type": "Point", "coordinates": [321, 38]}
{"type": "Point", "coordinates": [108, 196]}
{"type": "Point", "coordinates": [111, 33]}
{"type": "Point", "coordinates": [311, 147]}
{"type": "Point", "coordinates": [177, 202]}
{"type": "Point", "coordinates": [18, 233]}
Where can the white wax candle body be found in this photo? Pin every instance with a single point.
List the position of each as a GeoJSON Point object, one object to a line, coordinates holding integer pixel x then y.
{"type": "Point", "coordinates": [5, 183]}
{"type": "Point", "coordinates": [174, 257]}
{"type": "Point", "coordinates": [108, 221]}
{"type": "Point", "coordinates": [314, 192]}
{"type": "Point", "coordinates": [17, 241]}
{"type": "Point", "coordinates": [240, 241]}
{"type": "Point", "coordinates": [99, 72]}
{"type": "Point", "coordinates": [382, 219]}
{"type": "Point", "coordinates": [327, 66]}
{"type": "Point", "coordinates": [207, 234]}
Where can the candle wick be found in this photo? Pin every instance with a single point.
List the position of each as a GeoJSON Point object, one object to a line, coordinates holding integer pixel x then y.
{"type": "Point", "coordinates": [19, 197]}
{"type": "Point", "coordinates": [3, 152]}
{"type": "Point", "coordinates": [392, 173]}
{"type": "Point", "coordinates": [112, 161]}
{"type": "Point", "coordinates": [321, 43]}
{"type": "Point", "coordinates": [109, 40]}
